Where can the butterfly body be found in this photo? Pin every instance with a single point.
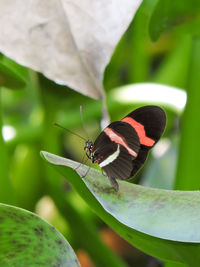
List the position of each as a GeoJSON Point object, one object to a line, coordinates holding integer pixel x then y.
{"type": "Point", "coordinates": [122, 147]}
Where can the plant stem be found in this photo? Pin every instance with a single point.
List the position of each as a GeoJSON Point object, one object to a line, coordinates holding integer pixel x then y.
{"type": "Point", "coordinates": [6, 195]}
{"type": "Point", "coordinates": [187, 177]}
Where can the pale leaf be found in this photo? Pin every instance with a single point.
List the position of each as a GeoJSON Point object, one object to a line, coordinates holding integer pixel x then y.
{"type": "Point", "coordinates": [69, 41]}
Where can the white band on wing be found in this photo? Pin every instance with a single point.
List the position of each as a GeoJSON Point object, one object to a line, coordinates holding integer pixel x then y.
{"type": "Point", "coordinates": [111, 158]}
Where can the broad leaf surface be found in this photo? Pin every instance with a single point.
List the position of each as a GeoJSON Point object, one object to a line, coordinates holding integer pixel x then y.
{"type": "Point", "coordinates": [157, 213]}
{"type": "Point", "coordinates": [168, 14]}
{"type": "Point", "coordinates": [27, 240]}
{"type": "Point", "coordinates": [70, 42]}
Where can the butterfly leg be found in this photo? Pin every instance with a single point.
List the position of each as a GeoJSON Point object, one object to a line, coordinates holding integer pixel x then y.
{"type": "Point", "coordinates": [83, 161]}
{"type": "Point", "coordinates": [114, 183]}
{"type": "Point", "coordinates": [86, 172]}
{"type": "Point", "coordinates": [104, 174]}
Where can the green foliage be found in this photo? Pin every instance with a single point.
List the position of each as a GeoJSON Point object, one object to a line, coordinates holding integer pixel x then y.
{"type": "Point", "coordinates": [167, 214]}
{"type": "Point", "coordinates": [162, 45]}
{"type": "Point", "coordinates": [12, 75]}
{"type": "Point", "coordinates": [168, 14]}
{"type": "Point", "coordinates": [189, 151]}
{"type": "Point", "coordinates": [27, 240]}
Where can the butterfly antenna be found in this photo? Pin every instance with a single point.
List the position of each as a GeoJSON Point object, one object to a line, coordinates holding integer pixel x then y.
{"type": "Point", "coordinates": [58, 125]}
{"type": "Point", "coordinates": [81, 112]}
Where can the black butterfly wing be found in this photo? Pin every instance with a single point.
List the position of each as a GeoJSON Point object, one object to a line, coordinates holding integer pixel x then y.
{"type": "Point", "coordinates": [122, 148]}
{"type": "Point", "coordinates": [115, 154]}
{"type": "Point", "coordinates": [103, 148]}
{"type": "Point", "coordinates": [128, 134]}
{"type": "Point", "coordinates": [149, 123]}
{"type": "Point", "coordinates": [121, 167]}
{"type": "Point", "coordinates": [139, 161]}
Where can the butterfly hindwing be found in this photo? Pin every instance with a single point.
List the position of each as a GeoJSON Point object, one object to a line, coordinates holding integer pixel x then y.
{"type": "Point", "coordinates": [139, 161]}
{"type": "Point", "coordinates": [121, 167]}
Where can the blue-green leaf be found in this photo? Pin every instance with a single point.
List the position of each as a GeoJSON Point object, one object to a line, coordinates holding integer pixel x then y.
{"type": "Point", "coordinates": [27, 240]}
{"type": "Point", "coordinates": [148, 218]}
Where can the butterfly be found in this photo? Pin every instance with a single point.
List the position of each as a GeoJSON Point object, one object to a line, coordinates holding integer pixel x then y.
{"type": "Point", "coordinates": [122, 147]}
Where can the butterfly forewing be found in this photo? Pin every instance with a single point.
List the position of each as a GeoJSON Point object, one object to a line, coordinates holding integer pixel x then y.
{"type": "Point", "coordinates": [128, 137]}
{"type": "Point", "coordinates": [103, 147]}
{"type": "Point", "coordinates": [149, 122]}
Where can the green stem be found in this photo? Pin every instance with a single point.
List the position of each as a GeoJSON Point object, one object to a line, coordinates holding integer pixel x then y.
{"type": "Point", "coordinates": [6, 195]}
{"type": "Point", "coordinates": [174, 68]}
{"type": "Point", "coordinates": [139, 59]}
{"type": "Point", "coordinates": [187, 177]}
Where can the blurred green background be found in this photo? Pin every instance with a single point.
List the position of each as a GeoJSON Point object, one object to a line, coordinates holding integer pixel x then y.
{"type": "Point", "coordinates": [30, 104]}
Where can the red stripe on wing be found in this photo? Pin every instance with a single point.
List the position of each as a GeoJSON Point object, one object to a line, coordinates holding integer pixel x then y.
{"type": "Point", "coordinates": [139, 128]}
{"type": "Point", "coordinates": [115, 137]}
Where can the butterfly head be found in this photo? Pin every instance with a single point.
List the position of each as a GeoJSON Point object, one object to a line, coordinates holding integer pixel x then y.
{"type": "Point", "coordinates": [88, 145]}
{"type": "Point", "coordinates": [88, 148]}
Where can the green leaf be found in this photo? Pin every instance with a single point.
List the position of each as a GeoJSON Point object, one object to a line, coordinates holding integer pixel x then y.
{"type": "Point", "coordinates": [174, 68]}
{"type": "Point", "coordinates": [169, 13]}
{"type": "Point", "coordinates": [188, 161]}
{"type": "Point", "coordinates": [159, 213]}
{"type": "Point", "coordinates": [11, 74]}
{"type": "Point", "coordinates": [27, 240]}
{"type": "Point", "coordinates": [6, 192]}
{"type": "Point", "coordinates": [25, 160]}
